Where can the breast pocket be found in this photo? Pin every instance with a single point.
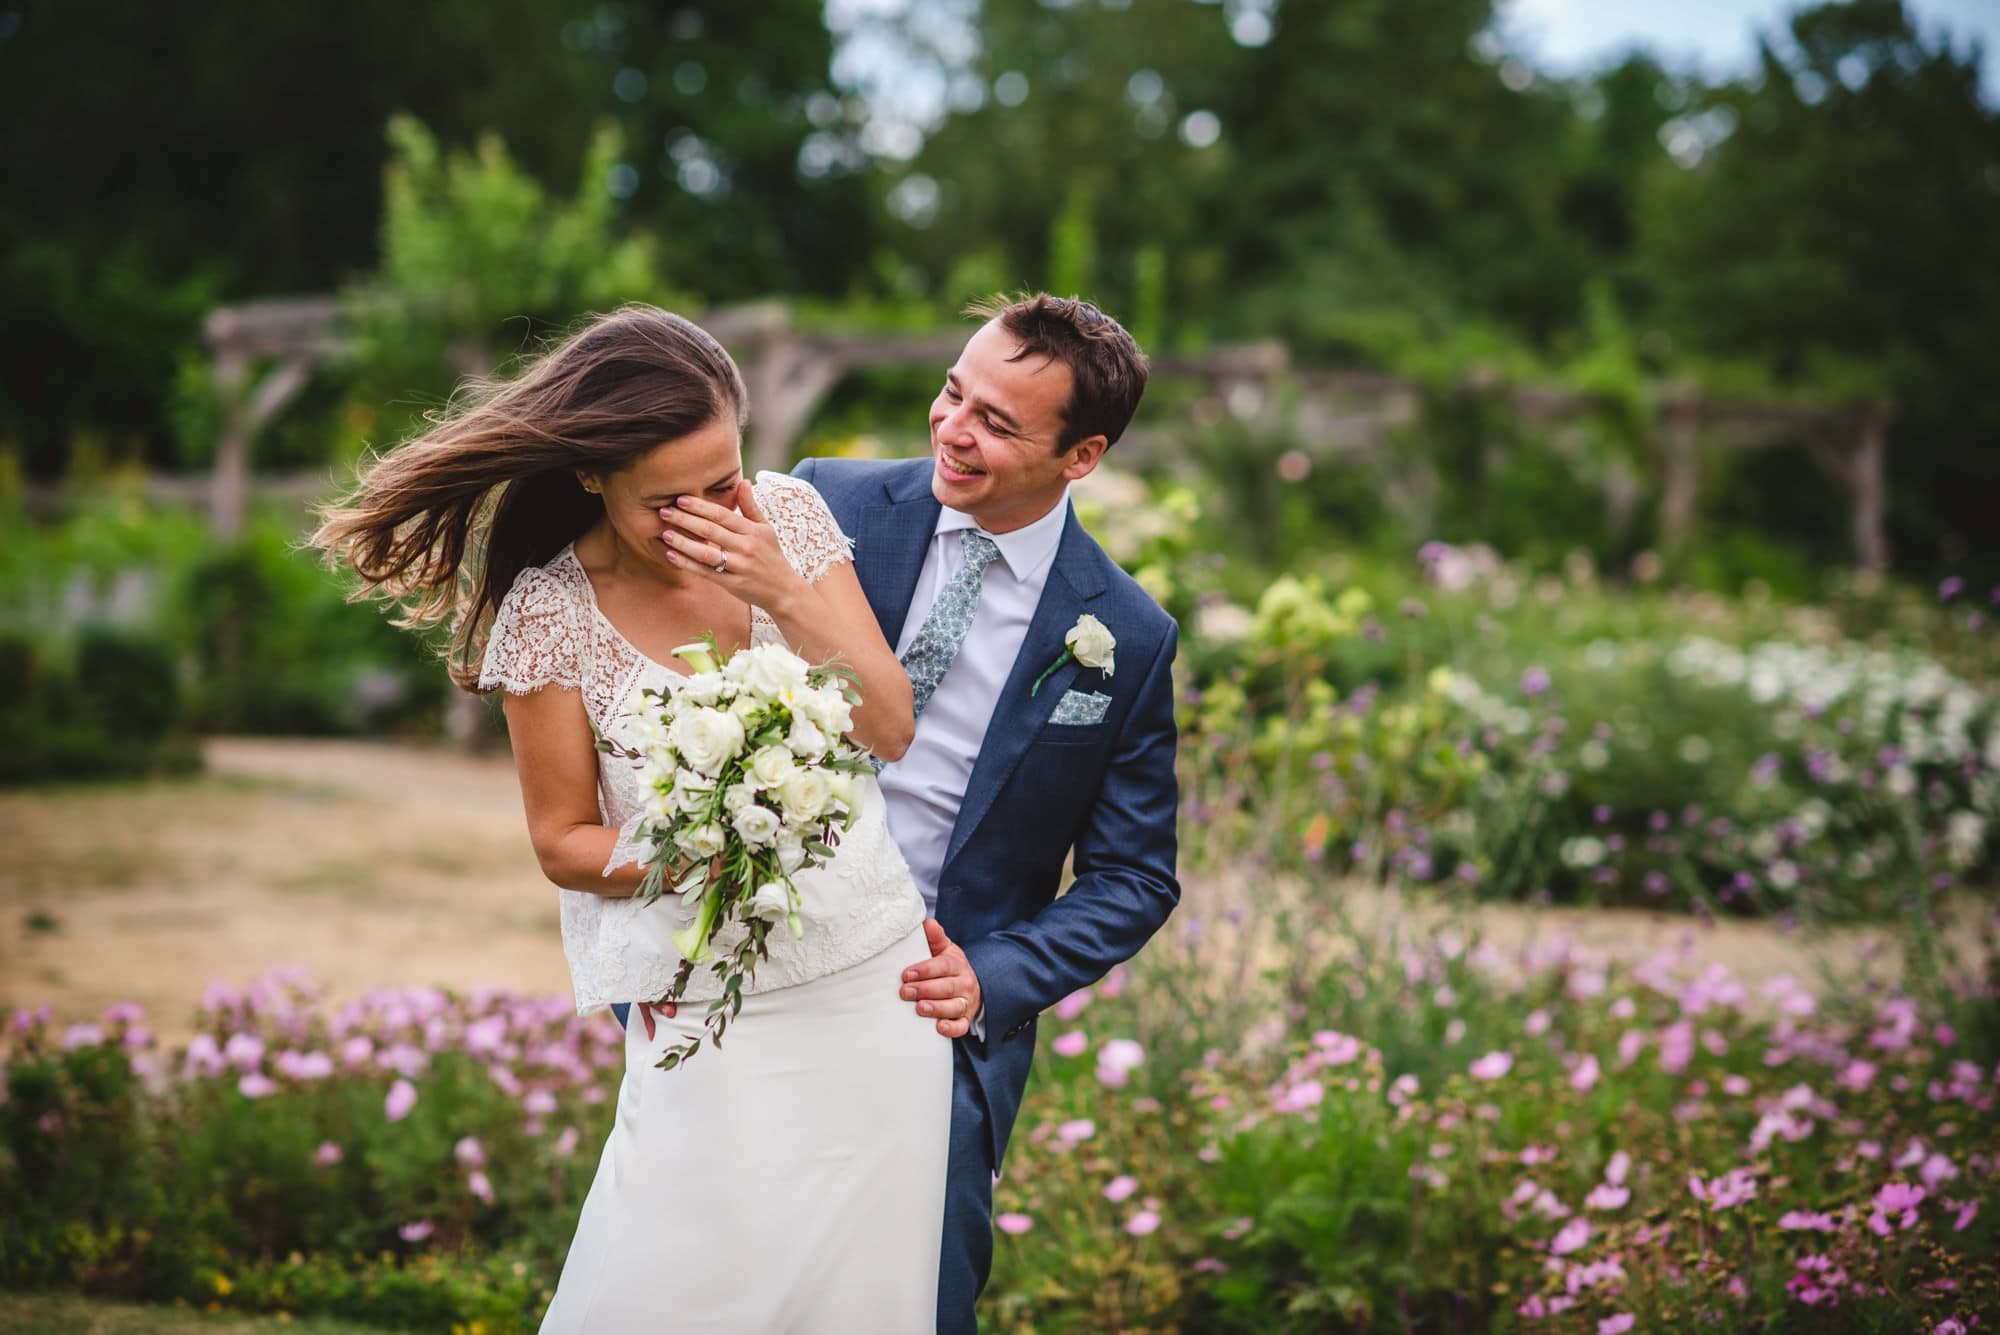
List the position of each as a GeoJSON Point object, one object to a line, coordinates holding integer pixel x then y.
{"type": "Point", "coordinates": [1078, 718]}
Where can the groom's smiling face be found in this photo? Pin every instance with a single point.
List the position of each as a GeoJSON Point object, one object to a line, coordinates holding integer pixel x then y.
{"type": "Point", "coordinates": [995, 426]}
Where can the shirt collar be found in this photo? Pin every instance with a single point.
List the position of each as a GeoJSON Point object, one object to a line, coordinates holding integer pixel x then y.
{"type": "Point", "coordinates": [1025, 550]}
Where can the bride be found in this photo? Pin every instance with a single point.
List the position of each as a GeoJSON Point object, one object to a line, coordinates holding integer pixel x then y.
{"type": "Point", "coordinates": [572, 526]}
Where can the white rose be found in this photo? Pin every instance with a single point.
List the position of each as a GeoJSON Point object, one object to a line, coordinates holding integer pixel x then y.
{"type": "Point", "coordinates": [702, 841]}
{"type": "Point", "coordinates": [804, 794]}
{"type": "Point", "coordinates": [738, 796]}
{"type": "Point", "coordinates": [758, 826]}
{"type": "Point", "coordinates": [703, 688]}
{"type": "Point", "coordinates": [806, 741]}
{"type": "Point", "coordinates": [708, 739]}
{"type": "Point", "coordinates": [771, 766]}
{"type": "Point", "coordinates": [773, 669]}
{"type": "Point", "coordinates": [1092, 643]}
{"type": "Point", "coordinates": [746, 709]}
{"type": "Point", "coordinates": [771, 902]}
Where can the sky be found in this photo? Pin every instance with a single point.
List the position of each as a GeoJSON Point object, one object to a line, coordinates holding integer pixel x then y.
{"type": "Point", "coordinates": [1716, 36]}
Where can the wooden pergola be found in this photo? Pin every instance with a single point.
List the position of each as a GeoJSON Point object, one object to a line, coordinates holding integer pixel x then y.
{"type": "Point", "coordinates": [264, 353]}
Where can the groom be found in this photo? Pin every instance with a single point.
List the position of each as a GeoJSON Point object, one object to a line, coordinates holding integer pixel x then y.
{"type": "Point", "coordinates": [1027, 752]}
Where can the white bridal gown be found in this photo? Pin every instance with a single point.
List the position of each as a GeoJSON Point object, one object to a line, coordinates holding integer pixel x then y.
{"type": "Point", "coordinates": [792, 1180]}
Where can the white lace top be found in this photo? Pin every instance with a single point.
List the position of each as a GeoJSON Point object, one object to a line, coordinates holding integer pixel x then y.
{"type": "Point", "coordinates": [550, 632]}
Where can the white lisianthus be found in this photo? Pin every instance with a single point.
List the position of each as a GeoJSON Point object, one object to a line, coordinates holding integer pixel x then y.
{"type": "Point", "coordinates": [806, 741]}
{"type": "Point", "coordinates": [791, 851]}
{"type": "Point", "coordinates": [692, 790]}
{"type": "Point", "coordinates": [708, 739]}
{"type": "Point", "coordinates": [1092, 643]}
{"type": "Point", "coordinates": [771, 902]}
{"type": "Point", "coordinates": [829, 710]}
{"type": "Point", "coordinates": [704, 688]}
{"type": "Point", "coordinates": [738, 796]}
{"type": "Point", "coordinates": [845, 790]}
{"type": "Point", "coordinates": [746, 709]}
{"type": "Point", "coordinates": [661, 806]}
{"type": "Point", "coordinates": [702, 841]}
{"type": "Point", "coordinates": [804, 795]}
{"type": "Point", "coordinates": [757, 825]}
{"type": "Point", "coordinates": [772, 668]}
{"type": "Point", "coordinates": [771, 766]}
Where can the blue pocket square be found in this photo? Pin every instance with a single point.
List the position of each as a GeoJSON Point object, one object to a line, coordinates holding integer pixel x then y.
{"type": "Point", "coordinates": [1080, 708]}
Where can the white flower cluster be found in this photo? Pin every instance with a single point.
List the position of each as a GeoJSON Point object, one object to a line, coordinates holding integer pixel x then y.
{"type": "Point", "coordinates": [747, 763]}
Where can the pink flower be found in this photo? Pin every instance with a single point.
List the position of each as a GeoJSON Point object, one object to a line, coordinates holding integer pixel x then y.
{"type": "Point", "coordinates": [1574, 1234]}
{"type": "Point", "coordinates": [1585, 1074]}
{"type": "Point", "coordinates": [1607, 1197]}
{"type": "Point", "coordinates": [1306, 1094]}
{"type": "Point", "coordinates": [469, 1152]}
{"type": "Point", "coordinates": [1801, 1219]}
{"type": "Point", "coordinates": [1616, 1325]}
{"type": "Point", "coordinates": [1937, 1169]}
{"type": "Point", "coordinates": [243, 1051]}
{"type": "Point", "coordinates": [1116, 1059]}
{"type": "Point", "coordinates": [1142, 1223]}
{"type": "Point", "coordinates": [1619, 1165]}
{"type": "Point", "coordinates": [476, 1182]}
{"type": "Point", "coordinates": [1081, 1128]}
{"type": "Point", "coordinates": [256, 1085]}
{"type": "Point", "coordinates": [566, 1143]}
{"type": "Point", "coordinates": [81, 1036]}
{"type": "Point", "coordinates": [538, 1103]}
{"type": "Point", "coordinates": [1966, 1214]}
{"type": "Point", "coordinates": [327, 1155]}
{"type": "Point", "coordinates": [1492, 1066]}
{"type": "Point", "coordinates": [1014, 1224]}
{"type": "Point", "coordinates": [1208, 1265]}
{"type": "Point", "coordinates": [1071, 1044]}
{"type": "Point", "coordinates": [1727, 1192]}
{"type": "Point", "coordinates": [1337, 1049]}
{"type": "Point", "coordinates": [417, 1231]}
{"type": "Point", "coordinates": [1238, 1228]}
{"type": "Point", "coordinates": [1118, 1188]}
{"type": "Point", "coordinates": [402, 1098]}
{"type": "Point", "coordinates": [1072, 1005]}
{"type": "Point", "coordinates": [1896, 1198]}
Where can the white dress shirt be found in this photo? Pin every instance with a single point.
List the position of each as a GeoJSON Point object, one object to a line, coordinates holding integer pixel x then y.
{"type": "Point", "coordinates": [925, 789]}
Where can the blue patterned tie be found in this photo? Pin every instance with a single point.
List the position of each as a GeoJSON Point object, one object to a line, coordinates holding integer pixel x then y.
{"type": "Point", "coordinates": [937, 643]}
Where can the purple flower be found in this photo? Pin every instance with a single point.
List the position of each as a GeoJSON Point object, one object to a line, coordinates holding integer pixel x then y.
{"type": "Point", "coordinates": [1950, 588]}
{"type": "Point", "coordinates": [1534, 681]}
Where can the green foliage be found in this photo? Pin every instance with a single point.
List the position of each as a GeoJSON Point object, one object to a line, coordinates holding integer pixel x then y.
{"type": "Point", "coordinates": [471, 244]}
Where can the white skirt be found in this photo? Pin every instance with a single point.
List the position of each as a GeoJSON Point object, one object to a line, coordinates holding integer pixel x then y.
{"type": "Point", "coordinates": [791, 1180]}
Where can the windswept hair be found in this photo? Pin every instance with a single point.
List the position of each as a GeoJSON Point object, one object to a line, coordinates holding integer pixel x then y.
{"type": "Point", "coordinates": [1107, 370]}
{"type": "Point", "coordinates": [442, 524]}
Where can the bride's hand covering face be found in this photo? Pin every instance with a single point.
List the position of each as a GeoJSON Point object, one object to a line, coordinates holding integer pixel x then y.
{"type": "Point", "coordinates": [732, 544]}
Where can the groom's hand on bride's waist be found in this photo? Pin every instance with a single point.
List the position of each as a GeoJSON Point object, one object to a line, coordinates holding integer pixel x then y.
{"type": "Point", "coordinates": [944, 987]}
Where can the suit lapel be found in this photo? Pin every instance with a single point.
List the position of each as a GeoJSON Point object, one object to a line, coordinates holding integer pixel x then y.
{"type": "Point", "coordinates": [1073, 582]}
{"type": "Point", "coordinates": [890, 541]}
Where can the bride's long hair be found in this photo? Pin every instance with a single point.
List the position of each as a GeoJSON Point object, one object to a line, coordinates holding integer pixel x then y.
{"type": "Point", "coordinates": [442, 524]}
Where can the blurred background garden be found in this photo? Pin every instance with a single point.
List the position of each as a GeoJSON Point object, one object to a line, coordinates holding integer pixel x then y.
{"type": "Point", "coordinates": [1572, 463]}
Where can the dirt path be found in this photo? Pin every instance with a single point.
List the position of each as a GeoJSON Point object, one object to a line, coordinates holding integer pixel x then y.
{"type": "Point", "coordinates": [373, 863]}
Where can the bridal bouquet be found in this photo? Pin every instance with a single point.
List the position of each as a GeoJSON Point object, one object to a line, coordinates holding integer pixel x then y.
{"type": "Point", "coordinates": [751, 778]}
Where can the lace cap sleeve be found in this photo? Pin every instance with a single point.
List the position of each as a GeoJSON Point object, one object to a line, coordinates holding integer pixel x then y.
{"type": "Point", "coordinates": [538, 637]}
{"type": "Point", "coordinates": [807, 530]}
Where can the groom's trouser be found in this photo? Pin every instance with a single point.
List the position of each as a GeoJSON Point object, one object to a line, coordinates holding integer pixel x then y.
{"type": "Point", "coordinates": [967, 1258]}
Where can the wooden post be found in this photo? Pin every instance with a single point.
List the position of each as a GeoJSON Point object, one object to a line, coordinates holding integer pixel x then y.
{"type": "Point", "coordinates": [1680, 461]}
{"type": "Point", "coordinates": [1868, 487]}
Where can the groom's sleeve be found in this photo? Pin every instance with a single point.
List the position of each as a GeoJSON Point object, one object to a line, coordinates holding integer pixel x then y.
{"type": "Point", "coordinates": [1125, 879]}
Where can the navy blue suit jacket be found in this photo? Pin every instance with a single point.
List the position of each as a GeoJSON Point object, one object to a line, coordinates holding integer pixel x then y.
{"type": "Point", "coordinates": [1039, 792]}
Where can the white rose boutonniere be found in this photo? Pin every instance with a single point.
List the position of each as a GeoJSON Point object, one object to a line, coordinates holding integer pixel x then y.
{"type": "Point", "coordinates": [1089, 642]}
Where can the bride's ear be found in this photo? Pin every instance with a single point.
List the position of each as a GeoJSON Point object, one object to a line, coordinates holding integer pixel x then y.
{"type": "Point", "coordinates": [590, 482]}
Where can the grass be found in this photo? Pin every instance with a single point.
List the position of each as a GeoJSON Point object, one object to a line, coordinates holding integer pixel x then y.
{"type": "Point", "coordinates": [65, 1314]}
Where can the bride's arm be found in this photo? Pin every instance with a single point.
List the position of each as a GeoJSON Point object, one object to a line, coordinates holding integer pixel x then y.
{"type": "Point", "coordinates": [557, 761]}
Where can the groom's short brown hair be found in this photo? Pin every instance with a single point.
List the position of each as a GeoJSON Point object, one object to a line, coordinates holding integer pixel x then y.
{"type": "Point", "coordinates": [1107, 370]}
